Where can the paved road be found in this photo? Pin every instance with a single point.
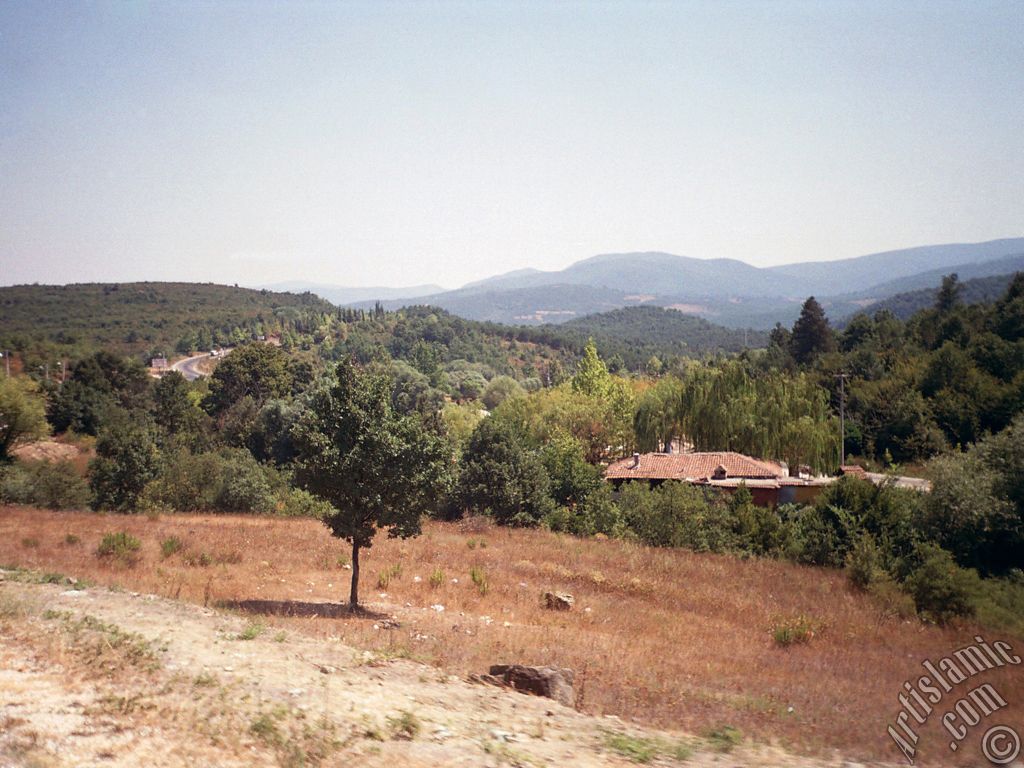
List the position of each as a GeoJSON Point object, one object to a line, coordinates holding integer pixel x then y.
{"type": "Point", "coordinates": [189, 366]}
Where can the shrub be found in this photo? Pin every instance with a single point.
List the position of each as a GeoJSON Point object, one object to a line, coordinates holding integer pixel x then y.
{"type": "Point", "coordinates": [185, 482]}
{"type": "Point", "coordinates": [793, 631]}
{"type": "Point", "coordinates": [126, 459]}
{"type": "Point", "coordinates": [888, 594]}
{"type": "Point", "coordinates": [16, 484]}
{"type": "Point", "coordinates": [171, 546]}
{"type": "Point", "coordinates": [228, 480]}
{"type": "Point", "coordinates": [724, 738]}
{"type": "Point", "coordinates": [676, 515]}
{"type": "Point", "coordinates": [120, 546]}
{"type": "Point", "coordinates": [437, 578]}
{"type": "Point", "coordinates": [479, 578]}
{"type": "Point", "coordinates": [637, 749]}
{"type": "Point", "coordinates": [389, 574]}
{"type": "Point", "coordinates": [202, 560]}
{"type": "Point", "coordinates": [863, 562]}
{"type": "Point", "coordinates": [251, 631]}
{"type": "Point", "coordinates": [244, 486]}
{"type": "Point", "coordinates": [406, 726]}
{"type": "Point", "coordinates": [49, 485]}
{"type": "Point", "coordinates": [941, 589]}
{"type": "Point", "coordinates": [296, 502]}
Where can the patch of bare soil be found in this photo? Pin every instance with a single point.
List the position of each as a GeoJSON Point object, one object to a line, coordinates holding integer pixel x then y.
{"type": "Point", "coordinates": [100, 677]}
{"type": "Point", "coordinates": [46, 450]}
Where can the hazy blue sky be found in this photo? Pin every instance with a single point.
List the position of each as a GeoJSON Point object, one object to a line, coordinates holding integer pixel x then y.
{"type": "Point", "coordinates": [399, 143]}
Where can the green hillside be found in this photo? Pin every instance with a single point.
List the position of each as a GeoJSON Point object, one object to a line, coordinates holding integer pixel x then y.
{"type": "Point", "coordinates": [981, 290]}
{"type": "Point", "coordinates": [143, 319]}
{"type": "Point", "coordinates": [47, 323]}
{"type": "Point", "coordinates": [636, 334]}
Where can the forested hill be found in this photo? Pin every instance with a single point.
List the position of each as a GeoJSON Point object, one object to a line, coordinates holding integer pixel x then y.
{"type": "Point", "coordinates": [147, 318]}
{"type": "Point", "coordinates": [980, 290]}
{"type": "Point", "coordinates": [638, 333]}
{"type": "Point", "coordinates": [154, 319]}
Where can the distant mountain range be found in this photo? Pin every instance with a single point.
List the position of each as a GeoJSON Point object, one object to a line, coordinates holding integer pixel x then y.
{"type": "Point", "coordinates": [340, 294]}
{"type": "Point", "coordinates": [727, 291]}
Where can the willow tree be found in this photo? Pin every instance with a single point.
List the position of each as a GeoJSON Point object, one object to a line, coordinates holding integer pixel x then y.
{"type": "Point", "coordinates": [725, 408]}
{"type": "Point", "coordinates": [656, 420]}
{"type": "Point", "coordinates": [377, 469]}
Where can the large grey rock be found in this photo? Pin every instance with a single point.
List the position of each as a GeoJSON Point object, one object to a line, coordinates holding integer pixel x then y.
{"type": "Point", "coordinates": [551, 682]}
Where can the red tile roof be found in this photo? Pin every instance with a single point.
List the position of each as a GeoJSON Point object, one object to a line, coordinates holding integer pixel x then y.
{"type": "Point", "coordinates": [692, 466]}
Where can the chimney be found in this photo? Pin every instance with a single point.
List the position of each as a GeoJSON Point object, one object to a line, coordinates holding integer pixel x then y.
{"type": "Point", "coordinates": [636, 461]}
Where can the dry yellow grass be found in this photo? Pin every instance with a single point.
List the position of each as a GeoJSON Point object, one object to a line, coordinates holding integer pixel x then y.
{"type": "Point", "coordinates": [672, 638]}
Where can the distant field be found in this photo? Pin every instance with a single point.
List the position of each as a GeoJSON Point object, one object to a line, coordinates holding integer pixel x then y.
{"type": "Point", "coordinates": [672, 638]}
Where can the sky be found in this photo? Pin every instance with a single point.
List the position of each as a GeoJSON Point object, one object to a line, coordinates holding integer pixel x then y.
{"type": "Point", "coordinates": [388, 143]}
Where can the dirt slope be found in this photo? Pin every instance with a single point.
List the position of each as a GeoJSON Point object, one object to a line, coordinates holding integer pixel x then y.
{"type": "Point", "coordinates": [100, 677]}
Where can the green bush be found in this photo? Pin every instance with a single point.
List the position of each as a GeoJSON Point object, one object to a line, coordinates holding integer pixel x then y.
{"type": "Point", "coordinates": [228, 480]}
{"type": "Point", "coordinates": [800, 629]}
{"type": "Point", "coordinates": [1001, 602]}
{"type": "Point", "coordinates": [44, 484]}
{"type": "Point", "coordinates": [296, 502]}
{"type": "Point", "coordinates": [244, 487]}
{"type": "Point", "coordinates": [120, 546]}
{"type": "Point", "coordinates": [126, 460]}
{"type": "Point", "coordinates": [677, 515]}
{"type": "Point", "coordinates": [171, 546]}
{"type": "Point", "coordinates": [184, 482]}
{"type": "Point", "coordinates": [941, 589]}
{"type": "Point", "coordinates": [863, 562]}
{"type": "Point", "coordinates": [479, 578]}
{"type": "Point", "coordinates": [598, 514]}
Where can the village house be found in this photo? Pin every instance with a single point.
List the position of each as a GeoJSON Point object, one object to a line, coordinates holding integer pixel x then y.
{"type": "Point", "coordinates": [768, 482]}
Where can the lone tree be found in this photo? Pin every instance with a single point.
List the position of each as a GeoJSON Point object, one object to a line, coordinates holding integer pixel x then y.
{"type": "Point", "coordinates": [376, 468]}
{"type": "Point", "coordinates": [811, 335]}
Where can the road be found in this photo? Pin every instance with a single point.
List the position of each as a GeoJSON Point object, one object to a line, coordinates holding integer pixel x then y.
{"type": "Point", "coordinates": [189, 367]}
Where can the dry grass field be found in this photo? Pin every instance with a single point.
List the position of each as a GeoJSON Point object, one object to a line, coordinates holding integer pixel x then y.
{"type": "Point", "coordinates": [674, 639]}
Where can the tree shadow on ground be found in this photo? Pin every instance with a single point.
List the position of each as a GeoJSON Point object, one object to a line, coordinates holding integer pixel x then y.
{"type": "Point", "coordinates": [302, 609]}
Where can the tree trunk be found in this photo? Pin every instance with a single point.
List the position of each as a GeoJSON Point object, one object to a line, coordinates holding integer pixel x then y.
{"type": "Point", "coordinates": [353, 595]}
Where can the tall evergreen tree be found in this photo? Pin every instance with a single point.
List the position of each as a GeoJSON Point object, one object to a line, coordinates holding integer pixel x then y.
{"type": "Point", "coordinates": [949, 294]}
{"type": "Point", "coordinates": [811, 334]}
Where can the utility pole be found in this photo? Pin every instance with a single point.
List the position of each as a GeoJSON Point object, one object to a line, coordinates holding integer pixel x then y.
{"type": "Point", "coordinates": [842, 417]}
